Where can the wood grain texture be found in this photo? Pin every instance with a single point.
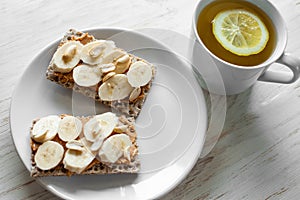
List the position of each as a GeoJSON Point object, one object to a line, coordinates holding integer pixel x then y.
{"type": "Point", "coordinates": [257, 156]}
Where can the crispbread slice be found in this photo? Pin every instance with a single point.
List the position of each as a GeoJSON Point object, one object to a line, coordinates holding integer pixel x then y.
{"type": "Point", "coordinates": [96, 166]}
{"type": "Point", "coordinates": [124, 106]}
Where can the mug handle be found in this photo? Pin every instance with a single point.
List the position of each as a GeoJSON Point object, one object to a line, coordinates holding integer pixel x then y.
{"type": "Point", "coordinates": [283, 77]}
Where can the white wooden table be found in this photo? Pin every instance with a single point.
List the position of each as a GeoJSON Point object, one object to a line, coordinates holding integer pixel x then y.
{"type": "Point", "coordinates": [257, 155]}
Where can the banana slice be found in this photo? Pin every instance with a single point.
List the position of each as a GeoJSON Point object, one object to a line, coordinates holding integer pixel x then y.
{"type": "Point", "coordinates": [100, 127]}
{"type": "Point", "coordinates": [76, 161]}
{"type": "Point", "coordinates": [49, 155]}
{"type": "Point", "coordinates": [67, 56]}
{"type": "Point", "coordinates": [45, 129]}
{"type": "Point", "coordinates": [113, 56]}
{"type": "Point", "coordinates": [69, 128]}
{"type": "Point", "coordinates": [139, 74]}
{"type": "Point", "coordinates": [92, 53]}
{"type": "Point", "coordinates": [86, 76]}
{"type": "Point", "coordinates": [115, 88]}
{"type": "Point", "coordinates": [115, 147]}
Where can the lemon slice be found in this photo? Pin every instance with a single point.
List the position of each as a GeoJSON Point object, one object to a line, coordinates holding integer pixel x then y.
{"type": "Point", "coordinates": [240, 32]}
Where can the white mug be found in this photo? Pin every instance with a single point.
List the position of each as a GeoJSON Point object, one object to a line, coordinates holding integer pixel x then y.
{"type": "Point", "coordinates": [235, 78]}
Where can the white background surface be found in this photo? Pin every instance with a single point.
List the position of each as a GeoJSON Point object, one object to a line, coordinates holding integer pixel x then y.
{"type": "Point", "coordinates": [257, 156]}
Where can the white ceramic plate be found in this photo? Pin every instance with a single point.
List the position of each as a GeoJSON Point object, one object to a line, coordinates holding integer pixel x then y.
{"type": "Point", "coordinates": [171, 127]}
